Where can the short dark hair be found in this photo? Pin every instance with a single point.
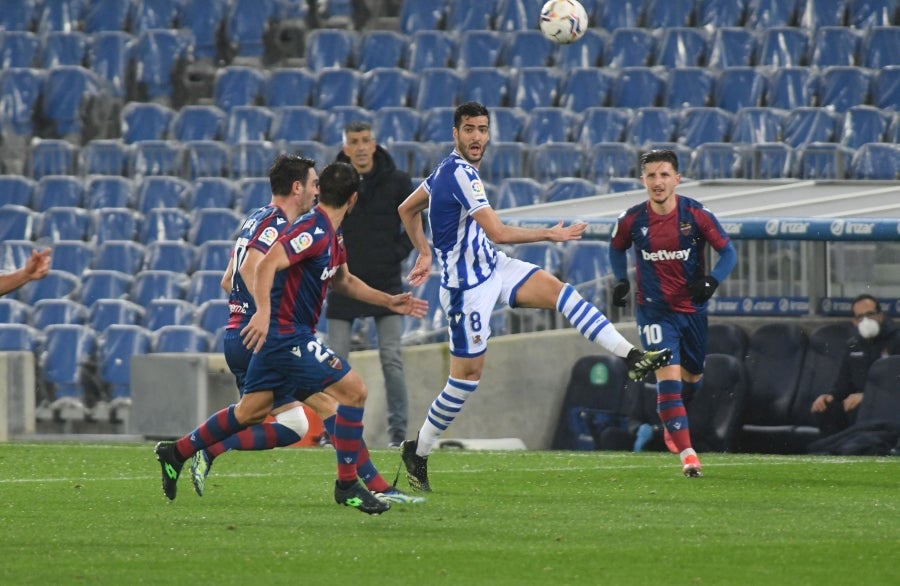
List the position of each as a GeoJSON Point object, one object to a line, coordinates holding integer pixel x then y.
{"type": "Point", "coordinates": [286, 169]}
{"type": "Point", "coordinates": [866, 297]}
{"type": "Point", "coordinates": [659, 156]}
{"type": "Point", "coordinates": [469, 110]}
{"type": "Point", "coordinates": [337, 182]}
{"type": "Point", "coordinates": [357, 126]}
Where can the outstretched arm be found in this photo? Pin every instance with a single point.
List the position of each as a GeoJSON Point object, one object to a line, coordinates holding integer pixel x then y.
{"type": "Point", "coordinates": [345, 283]}
{"type": "Point", "coordinates": [501, 233]}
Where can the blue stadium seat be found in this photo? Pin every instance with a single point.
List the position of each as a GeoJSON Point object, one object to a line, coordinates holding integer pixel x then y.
{"type": "Point", "coordinates": [58, 190]}
{"type": "Point", "coordinates": [181, 339]}
{"type": "Point", "coordinates": [205, 158]}
{"type": "Point", "coordinates": [732, 47]}
{"type": "Point", "coordinates": [17, 337]}
{"type": "Point", "coordinates": [804, 125]}
{"type": "Point", "coordinates": [469, 14]}
{"type": "Point", "coordinates": [548, 124]}
{"type": "Point", "coordinates": [601, 124]}
{"type": "Point", "coordinates": [480, 48]}
{"type": "Point", "coordinates": [12, 311]}
{"type": "Point", "coordinates": [69, 352]}
{"type": "Point", "coordinates": [238, 85]}
{"type": "Point", "coordinates": [205, 285]}
{"type": "Point", "coordinates": [421, 15]}
{"type": "Point", "coordinates": [866, 14]}
{"type": "Point", "coordinates": [380, 48]}
{"type": "Point", "coordinates": [841, 88]}
{"type": "Point", "coordinates": [115, 223]}
{"type": "Point", "coordinates": [616, 15]}
{"type": "Point", "coordinates": [507, 124]}
{"type": "Point", "coordinates": [161, 192]}
{"type": "Point", "coordinates": [152, 14]}
{"type": "Point", "coordinates": [63, 48]}
{"type": "Point", "coordinates": [19, 49]}
{"type": "Point", "coordinates": [246, 24]}
{"type": "Point", "coordinates": [437, 87]}
{"type": "Point", "coordinates": [157, 284]}
{"type": "Point", "coordinates": [881, 47]}
{"type": "Point", "coordinates": [835, 45]}
{"type": "Point", "coordinates": [331, 131]}
{"type": "Point", "coordinates": [289, 86]}
{"type": "Point", "coordinates": [667, 14]}
{"type": "Point", "coordinates": [586, 267]}
{"type": "Point", "coordinates": [587, 52]}
{"type": "Point", "coordinates": [386, 87]}
{"type": "Point", "coordinates": [16, 190]}
{"type": "Point", "coordinates": [156, 54]}
{"type": "Point", "coordinates": [414, 157]}
{"type": "Point", "coordinates": [651, 124]}
{"type": "Point", "coordinates": [585, 87]}
{"type": "Point", "coordinates": [791, 87]}
{"type": "Point", "coordinates": [119, 344]}
{"type": "Point", "coordinates": [108, 192]}
{"type": "Point", "coordinates": [757, 124]}
{"type": "Point", "coordinates": [108, 56]}
{"type": "Point", "coordinates": [688, 87]}
{"type": "Point", "coordinates": [886, 87]}
{"type": "Point", "coordinates": [534, 87]}
{"type": "Point", "coordinates": [255, 192]}
{"type": "Point", "coordinates": [170, 255]}
{"type": "Point", "coordinates": [336, 87]}
{"type": "Point", "coordinates": [211, 192]}
{"type": "Point", "coordinates": [739, 87]}
{"type": "Point", "coordinates": [329, 49]}
{"type": "Point", "coordinates": [715, 160]}
{"type": "Point", "coordinates": [164, 224]}
{"type": "Point", "coordinates": [310, 149]}
{"type": "Point", "coordinates": [604, 160]}
{"type": "Point", "coordinates": [636, 87]}
{"type": "Point", "coordinates": [124, 256]}
{"type": "Point", "coordinates": [437, 124]}
{"type": "Point", "coordinates": [163, 312]}
{"type": "Point", "coordinates": [703, 124]}
{"type": "Point", "coordinates": [512, 15]}
{"type": "Point", "coordinates": [213, 224]}
{"type": "Point", "coordinates": [487, 85]}
{"type": "Point", "coordinates": [816, 14]}
{"type": "Point", "coordinates": [630, 47]}
{"type": "Point", "coordinates": [145, 121]}
{"type": "Point", "coordinates": [508, 159]}
{"type": "Point", "coordinates": [212, 315]}
{"type": "Point", "coordinates": [720, 13]}
{"type": "Point", "coordinates": [516, 192]}
{"type": "Point", "coordinates": [768, 160]}
{"type": "Point", "coordinates": [763, 14]}
{"type": "Point", "coordinates": [395, 123]}
{"type": "Point", "coordinates": [429, 48]}
{"type": "Point", "coordinates": [293, 123]}
{"type": "Point", "coordinates": [204, 18]}
{"type": "Point", "coordinates": [104, 157]}
{"type": "Point", "coordinates": [198, 122]}
{"type": "Point", "coordinates": [64, 223]}
{"type": "Point", "coordinates": [17, 223]}
{"type": "Point", "coordinates": [48, 312]}
{"type": "Point", "coordinates": [103, 284]}
{"type": "Point", "coordinates": [51, 157]}
{"type": "Point", "coordinates": [863, 124]}
{"type": "Point", "coordinates": [72, 256]}
{"type": "Point", "coordinates": [527, 48]}
{"type": "Point", "coordinates": [823, 160]}
{"type": "Point", "coordinates": [20, 90]}
{"type": "Point", "coordinates": [156, 157]}
{"type": "Point", "coordinates": [876, 161]}
{"type": "Point", "coordinates": [565, 188]}
{"type": "Point", "coordinates": [252, 158]}
{"type": "Point", "coordinates": [681, 46]}
{"type": "Point", "coordinates": [14, 252]}
{"type": "Point", "coordinates": [17, 15]}
{"type": "Point", "coordinates": [56, 285]}
{"type": "Point", "coordinates": [214, 255]}
{"type": "Point", "coordinates": [782, 47]}
{"type": "Point", "coordinates": [555, 159]}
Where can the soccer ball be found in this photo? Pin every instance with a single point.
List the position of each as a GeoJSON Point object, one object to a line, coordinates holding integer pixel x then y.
{"type": "Point", "coordinates": [563, 21]}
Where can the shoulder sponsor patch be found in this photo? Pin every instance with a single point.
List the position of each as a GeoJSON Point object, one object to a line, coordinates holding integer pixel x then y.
{"type": "Point", "coordinates": [301, 242]}
{"type": "Point", "coordinates": [268, 236]}
{"type": "Point", "coordinates": [477, 187]}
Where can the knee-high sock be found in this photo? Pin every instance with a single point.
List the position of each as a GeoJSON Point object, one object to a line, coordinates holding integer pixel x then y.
{"type": "Point", "coordinates": [365, 468]}
{"type": "Point", "coordinates": [263, 436]}
{"type": "Point", "coordinates": [219, 426]}
{"type": "Point", "coordinates": [443, 411]}
{"type": "Point", "coordinates": [348, 431]}
{"type": "Point", "coordinates": [591, 322]}
{"type": "Point", "coordinates": [672, 412]}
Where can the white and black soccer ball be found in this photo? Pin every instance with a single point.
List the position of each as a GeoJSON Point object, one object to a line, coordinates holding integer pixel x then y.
{"type": "Point", "coordinates": [563, 21]}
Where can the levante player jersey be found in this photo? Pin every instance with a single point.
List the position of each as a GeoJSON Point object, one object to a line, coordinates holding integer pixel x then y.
{"type": "Point", "coordinates": [260, 231]}
{"type": "Point", "coordinates": [316, 251]}
{"type": "Point", "coordinates": [669, 250]}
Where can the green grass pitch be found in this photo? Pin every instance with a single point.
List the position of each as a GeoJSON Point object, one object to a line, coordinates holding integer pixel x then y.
{"type": "Point", "coordinates": [74, 513]}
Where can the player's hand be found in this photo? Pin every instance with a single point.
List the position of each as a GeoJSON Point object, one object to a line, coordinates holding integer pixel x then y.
{"type": "Point", "coordinates": [620, 293]}
{"type": "Point", "coordinates": [38, 264]}
{"type": "Point", "coordinates": [560, 233]}
{"type": "Point", "coordinates": [406, 304]}
{"type": "Point", "coordinates": [420, 271]}
{"type": "Point", "coordinates": [821, 403]}
{"type": "Point", "coordinates": [703, 288]}
{"type": "Point", "coordinates": [852, 401]}
{"type": "Point", "coordinates": [255, 332]}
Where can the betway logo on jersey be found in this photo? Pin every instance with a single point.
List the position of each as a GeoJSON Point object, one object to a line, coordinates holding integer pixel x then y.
{"type": "Point", "coordinates": [666, 255]}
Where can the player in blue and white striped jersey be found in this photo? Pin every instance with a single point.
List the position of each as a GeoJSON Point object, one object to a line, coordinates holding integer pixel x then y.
{"type": "Point", "coordinates": [475, 276]}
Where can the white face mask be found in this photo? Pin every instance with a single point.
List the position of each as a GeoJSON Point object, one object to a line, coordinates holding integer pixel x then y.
{"type": "Point", "coordinates": [868, 328]}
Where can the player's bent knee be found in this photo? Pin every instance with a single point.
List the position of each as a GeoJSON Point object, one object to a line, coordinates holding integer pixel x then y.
{"type": "Point", "coordinates": [295, 419]}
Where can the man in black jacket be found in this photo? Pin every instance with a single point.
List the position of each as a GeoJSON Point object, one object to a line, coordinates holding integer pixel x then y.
{"type": "Point", "coordinates": [877, 336]}
{"type": "Point", "coordinates": [376, 246]}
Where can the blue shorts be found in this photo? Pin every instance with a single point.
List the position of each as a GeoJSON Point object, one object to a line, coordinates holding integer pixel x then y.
{"type": "Point", "coordinates": [683, 333]}
{"type": "Point", "coordinates": [281, 367]}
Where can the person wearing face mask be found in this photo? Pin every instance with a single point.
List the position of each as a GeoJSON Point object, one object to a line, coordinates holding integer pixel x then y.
{"type": "Point", "coordinates": [876, 336]}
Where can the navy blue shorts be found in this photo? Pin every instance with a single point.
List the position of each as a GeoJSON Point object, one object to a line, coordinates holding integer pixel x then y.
{"type": "Point", "coordinates": [683, 333]}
